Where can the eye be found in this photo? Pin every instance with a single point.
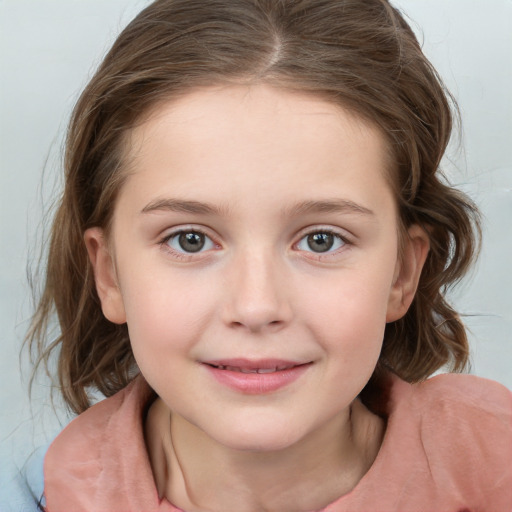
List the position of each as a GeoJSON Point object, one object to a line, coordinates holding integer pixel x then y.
{"type": "Point", "coordinates": [189, 242]}
{"type": "Point", "coordinates": [321, 242]}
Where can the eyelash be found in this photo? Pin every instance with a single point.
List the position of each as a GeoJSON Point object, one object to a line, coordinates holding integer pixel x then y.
{"type": "Point", "coordinates": [341, 239]}
{"type": "Point", "coordinates": [188, 256]}
{"type": "Point", "coordinates": [183, 255]}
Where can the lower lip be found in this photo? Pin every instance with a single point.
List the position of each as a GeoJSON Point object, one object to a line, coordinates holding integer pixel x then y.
{"type": "Point", "coordinates": [257, 383]}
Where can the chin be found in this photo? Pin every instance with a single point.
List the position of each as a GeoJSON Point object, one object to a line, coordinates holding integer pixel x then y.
{"type": "Point", "coordinates": [260, 445]}
{"type": "Point", "coordinates": [257, 437]}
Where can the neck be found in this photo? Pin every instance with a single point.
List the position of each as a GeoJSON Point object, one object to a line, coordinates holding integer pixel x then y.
{"type": "Point", "coordinates": [196, 473]}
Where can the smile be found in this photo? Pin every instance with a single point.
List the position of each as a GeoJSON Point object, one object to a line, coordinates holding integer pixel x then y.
{"type": "Point", "coordinates": [256, 377]}
{"type": "Point", "coordinates": [253, 370]}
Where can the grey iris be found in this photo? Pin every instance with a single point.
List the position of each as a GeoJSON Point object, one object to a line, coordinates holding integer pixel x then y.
{"type": "Point", "coordinates": [320, 242]}
{"type": "Point", "coordinates": [191, 242]}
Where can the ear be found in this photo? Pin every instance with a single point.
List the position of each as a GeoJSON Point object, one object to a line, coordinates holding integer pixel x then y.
{"type": "Point", "coordinates": [105, 275]}
{"type": "Point", "coordinates": [407, 273]}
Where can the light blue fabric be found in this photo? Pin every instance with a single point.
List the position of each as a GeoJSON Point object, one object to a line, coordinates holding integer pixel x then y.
{"type": "Point", "coordinates": [21, 489]}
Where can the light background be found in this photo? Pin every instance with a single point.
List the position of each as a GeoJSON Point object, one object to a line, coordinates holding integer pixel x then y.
{"type": "Point", "coordinates": [49, 48]}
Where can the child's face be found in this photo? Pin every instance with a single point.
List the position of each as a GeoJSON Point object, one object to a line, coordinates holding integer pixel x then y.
{"type": "Point", "coordinates": [256, 230]}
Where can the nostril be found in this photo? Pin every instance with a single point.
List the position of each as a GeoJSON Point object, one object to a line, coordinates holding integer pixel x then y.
{"type": "Point", "coordinates": [256, 326]}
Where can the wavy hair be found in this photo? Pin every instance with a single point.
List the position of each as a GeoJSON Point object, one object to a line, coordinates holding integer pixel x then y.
{"type": "Point", "coordinates": [359, 54]}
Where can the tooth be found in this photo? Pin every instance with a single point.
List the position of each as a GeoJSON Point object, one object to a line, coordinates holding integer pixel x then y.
{"type": "Point", "coordinates": [253, 370]}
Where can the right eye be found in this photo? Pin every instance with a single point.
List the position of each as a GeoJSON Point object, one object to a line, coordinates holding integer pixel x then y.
{"type": "Point", "coordinates": [321, 242]}
{"type": "Point", "coordinates": [189, 242]}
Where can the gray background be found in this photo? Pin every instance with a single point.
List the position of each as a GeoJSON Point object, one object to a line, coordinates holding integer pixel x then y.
{"type": "Point", "coordinates": [49, 48]}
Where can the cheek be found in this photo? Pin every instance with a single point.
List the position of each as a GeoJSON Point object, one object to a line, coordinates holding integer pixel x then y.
{"type": "Point", "coordinates": [351, 316]}
{"type": "Point", "coordinates": [165, 316]}
{"type": "Point", "coordinates": [352, 298]}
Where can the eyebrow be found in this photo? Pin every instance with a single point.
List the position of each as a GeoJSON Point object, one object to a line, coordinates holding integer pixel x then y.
{"type": "Point", "coordinates": [305, 207]}
{"type": "Point", "coordinates": [182, 206]}
{"type": "Point", "coordinates": [329, 206]}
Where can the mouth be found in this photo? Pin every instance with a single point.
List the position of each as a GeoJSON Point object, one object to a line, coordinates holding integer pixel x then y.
{"type": "Point", "coordinates": [256, 376]}
{"type": "Point", "coordinates": [254, 366]}
{"type": "Point", "coordinates": [244, 369]}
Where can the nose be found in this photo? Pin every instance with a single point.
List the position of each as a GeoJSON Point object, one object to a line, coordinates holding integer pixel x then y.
{"type": "Point", "coordinates": [257, 294]}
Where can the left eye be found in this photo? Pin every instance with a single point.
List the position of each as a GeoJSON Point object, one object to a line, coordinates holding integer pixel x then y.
{"type": "Point", "coordinates": [320, 242]}
{"type": "Point", "coordinates": [190, 242]}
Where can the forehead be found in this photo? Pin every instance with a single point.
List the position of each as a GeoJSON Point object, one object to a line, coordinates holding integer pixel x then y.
{"type": "Point", "coordinates": [253, 109]}
{"type": "Point", "coordinates": [235, 142]}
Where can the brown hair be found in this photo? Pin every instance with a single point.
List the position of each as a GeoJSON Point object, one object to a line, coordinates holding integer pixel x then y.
{"type": "Point", "coordinates": [360, 54]}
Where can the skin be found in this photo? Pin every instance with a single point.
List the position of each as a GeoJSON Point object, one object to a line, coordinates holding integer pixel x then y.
{"type": "Point", "coordinates": [273, 167]}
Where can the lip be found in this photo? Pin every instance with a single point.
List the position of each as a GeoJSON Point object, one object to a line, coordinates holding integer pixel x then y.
{"type": "Point", "coordinates": [256, 377]}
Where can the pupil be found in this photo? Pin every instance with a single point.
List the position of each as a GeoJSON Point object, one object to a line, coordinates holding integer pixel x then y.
{"type": "Point", "coordinates": [320, 242]}
{"type": "Point", "coordinates": [191, 242]}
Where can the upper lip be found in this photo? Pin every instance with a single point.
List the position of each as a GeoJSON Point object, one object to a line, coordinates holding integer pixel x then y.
{"type": "Point", "coordinates": [252, 365]}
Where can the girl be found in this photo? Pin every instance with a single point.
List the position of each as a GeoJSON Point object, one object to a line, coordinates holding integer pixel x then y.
{"type": "Point", "coordinates": [249, 260]}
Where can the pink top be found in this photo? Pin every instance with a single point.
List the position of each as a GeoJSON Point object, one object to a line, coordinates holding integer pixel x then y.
{"type": "Point", "coordinates": [447, 448]}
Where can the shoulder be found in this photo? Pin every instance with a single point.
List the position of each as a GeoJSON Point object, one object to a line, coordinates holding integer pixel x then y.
{"type": "Point", "coordinates": [457, 404]}
{"type": "Point", "coordinates": [469, 406]}
{"type": "Point", "coordinates": [99, 422]}
{"type": "Point", "coordinates": [467, 390]}
{"type": "Point", "coordinates": [465, 429]}
{"type": "Point", "coordinates": [102, 449]}
{"type": "Point", "coordinates": [456, 396]}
